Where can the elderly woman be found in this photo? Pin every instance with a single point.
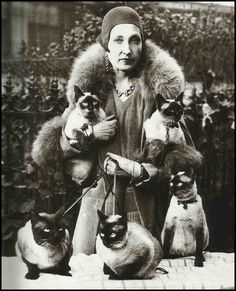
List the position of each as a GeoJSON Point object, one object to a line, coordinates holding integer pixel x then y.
{"type": "Point", "coordinates": [127, 72]}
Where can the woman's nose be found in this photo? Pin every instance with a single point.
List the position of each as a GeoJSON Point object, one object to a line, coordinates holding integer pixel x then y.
{"type": "Point", "coordinates": [126, 48]}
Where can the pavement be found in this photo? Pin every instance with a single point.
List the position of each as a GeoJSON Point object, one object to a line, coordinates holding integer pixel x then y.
{"type": "Point", "coordinates": [217, 273]}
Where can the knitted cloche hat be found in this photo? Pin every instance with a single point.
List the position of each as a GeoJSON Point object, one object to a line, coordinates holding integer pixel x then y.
{"type": "Point", "coordinates": [115, 16]}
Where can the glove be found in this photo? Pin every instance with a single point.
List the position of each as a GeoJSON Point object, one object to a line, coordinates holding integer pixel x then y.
{"type": "Point", "coordinates": [131, 168]}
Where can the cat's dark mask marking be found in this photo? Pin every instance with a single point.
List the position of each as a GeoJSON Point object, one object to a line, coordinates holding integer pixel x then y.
{"type": "Point", "coordinates": [181, 185]}
{"type": "Point", "coordinates": [88, 102]}
{"type": "Point", "coordinates": [48, 228]}
{"type": "Point", "coordinates": [170, 109]}
{"type": "Point", "coordinates": [112, 229]}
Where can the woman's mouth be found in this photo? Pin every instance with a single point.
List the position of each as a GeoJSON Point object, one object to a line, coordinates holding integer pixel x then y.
{"type": "Point", "coordinates": [126, 60]}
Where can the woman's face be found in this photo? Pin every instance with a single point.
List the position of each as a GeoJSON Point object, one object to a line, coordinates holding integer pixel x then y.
{"type": "Point", "coordinates": [124, 46]}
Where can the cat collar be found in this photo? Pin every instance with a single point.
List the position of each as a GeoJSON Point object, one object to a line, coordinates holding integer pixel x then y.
{"type": "Point", "coordinates": [185, 202]}
{"type": "Point", "coordinates": [171, 124]}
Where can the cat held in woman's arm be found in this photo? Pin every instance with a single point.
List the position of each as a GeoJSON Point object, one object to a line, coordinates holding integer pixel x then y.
{"type": "Point", "coordinates": [79, 126]}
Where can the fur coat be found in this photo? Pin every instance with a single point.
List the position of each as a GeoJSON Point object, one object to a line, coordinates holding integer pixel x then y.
{"type": "Point", "coordinates": [160, 74]}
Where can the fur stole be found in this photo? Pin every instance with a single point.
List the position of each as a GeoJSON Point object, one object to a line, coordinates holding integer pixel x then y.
{"type": "Point", "coordinates": [161, 73]}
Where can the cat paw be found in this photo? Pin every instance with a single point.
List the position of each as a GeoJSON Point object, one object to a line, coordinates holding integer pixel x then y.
{"type": "Point", "coordinates": [114, 277]}
{"type": "Point", "coordinates": [73, 141]}
{"type": "Point", "coordinates": [203, 258]}
{"type": "Point", "coordinates": [64, 274]}
{"type": "Point", "coordinates": [68, 274]}
{"type": "Point", "coordinates": [32, 276]}
{"type": "Point", "coordinates": [198, 263]}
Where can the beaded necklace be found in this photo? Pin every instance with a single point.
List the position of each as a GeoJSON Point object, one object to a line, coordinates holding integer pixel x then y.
{"type": "Point", "coordinates": [126, 93]}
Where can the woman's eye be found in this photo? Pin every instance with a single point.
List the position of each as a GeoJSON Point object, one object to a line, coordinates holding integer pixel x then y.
{"type": "Point", "coordinates": [118, 40]}
{"type": "Point", "coordinates": [113, 235]}
{"type": "Point", "coordinates": [136, 40]}
{"type": "Point", "coordinates": [46, 230]}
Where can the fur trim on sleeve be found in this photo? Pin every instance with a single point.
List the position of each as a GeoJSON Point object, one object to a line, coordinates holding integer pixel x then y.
{"type": "Point", "coordinates": [46, 147]}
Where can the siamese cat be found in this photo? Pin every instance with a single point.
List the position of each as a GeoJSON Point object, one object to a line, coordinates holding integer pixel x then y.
{"type": "Point", "coordinates": [128, 250]}
{"type": "Point", "coordinates": [185, 231]}
{"type": "Point", "coordinates": [87, 112]}
{"type": "Point", "coordinates": [44, 245]}
{"type": "Point", "coordinates": [165, 145]}
{"type": "Point", "coordinates": [164, 122]}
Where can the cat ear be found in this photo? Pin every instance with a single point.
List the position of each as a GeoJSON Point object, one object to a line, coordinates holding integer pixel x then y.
{"type": "Point", "coordinates": [180, 98]}
{"type": "Point", "coordinates": [94, 92]}
{"type": "Point", "coordinates": [59, 212]}
{"type": "Point", "coordinates": [34, 216]}
{"type": "Point", "coordinates": [101, 215]}
{"type": "Point", "coordinates": [160, 100]}
{"type": "Point", "coordinates": [191, 174]}
{"type": "Point", "coordinates": [78, 92]}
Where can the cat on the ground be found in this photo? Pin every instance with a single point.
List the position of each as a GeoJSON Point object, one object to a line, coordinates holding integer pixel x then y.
{"type": "Point", "coordinates": [185, 231]}
{"type": "Point", "coordinates": [127, 249]}
{"type": "Point", "coordinates": [44, 245]}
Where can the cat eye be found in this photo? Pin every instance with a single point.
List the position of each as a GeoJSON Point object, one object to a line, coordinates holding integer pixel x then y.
{"type": "Point", "coordinates": [46, 230]}
{"type": "Point", "coordinates": [112, 235]}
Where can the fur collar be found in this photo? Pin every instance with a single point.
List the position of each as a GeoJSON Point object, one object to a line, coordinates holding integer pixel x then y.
{"type": "Point", "coordinates": [161, 73]}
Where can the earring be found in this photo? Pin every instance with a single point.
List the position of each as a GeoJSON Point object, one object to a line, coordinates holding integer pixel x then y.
{"type": "Point", "coordinates": [108, 64]}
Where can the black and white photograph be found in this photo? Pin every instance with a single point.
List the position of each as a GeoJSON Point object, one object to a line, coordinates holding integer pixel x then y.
{"type": "Point", "coordinates": [118, 145]}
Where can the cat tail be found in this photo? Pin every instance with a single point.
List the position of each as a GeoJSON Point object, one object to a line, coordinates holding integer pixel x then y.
{"type": "Point", "coordinates": [46, 147]}
{"type": "Point", "coordinates": [181, 157]}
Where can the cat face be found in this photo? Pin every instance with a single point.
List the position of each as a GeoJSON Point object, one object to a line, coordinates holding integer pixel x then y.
{"type": "Point", "coordinates": [171, 110]}
{"type": "Point", "coordinates": [48, 229]}
{"type": "Point", "coordinates": [87, 103]}
{"type": "Point", "coordinates": [181, 185]}
{"type": "Point", "coordinates": [112, 229]}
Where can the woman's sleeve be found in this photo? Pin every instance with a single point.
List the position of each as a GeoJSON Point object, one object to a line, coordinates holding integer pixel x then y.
{"type": "Point", "coordinates": [150, 171]}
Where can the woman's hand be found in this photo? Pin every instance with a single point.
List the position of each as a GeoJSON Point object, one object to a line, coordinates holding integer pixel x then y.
{"type": "Point", "coordinates": [105, 129]}
{"type": "Point", "coordinates": [132, 168]}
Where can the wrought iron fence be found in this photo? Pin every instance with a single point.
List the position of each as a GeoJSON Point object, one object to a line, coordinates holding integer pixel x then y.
{"type": "Point", "coordinates": [25, 186]}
